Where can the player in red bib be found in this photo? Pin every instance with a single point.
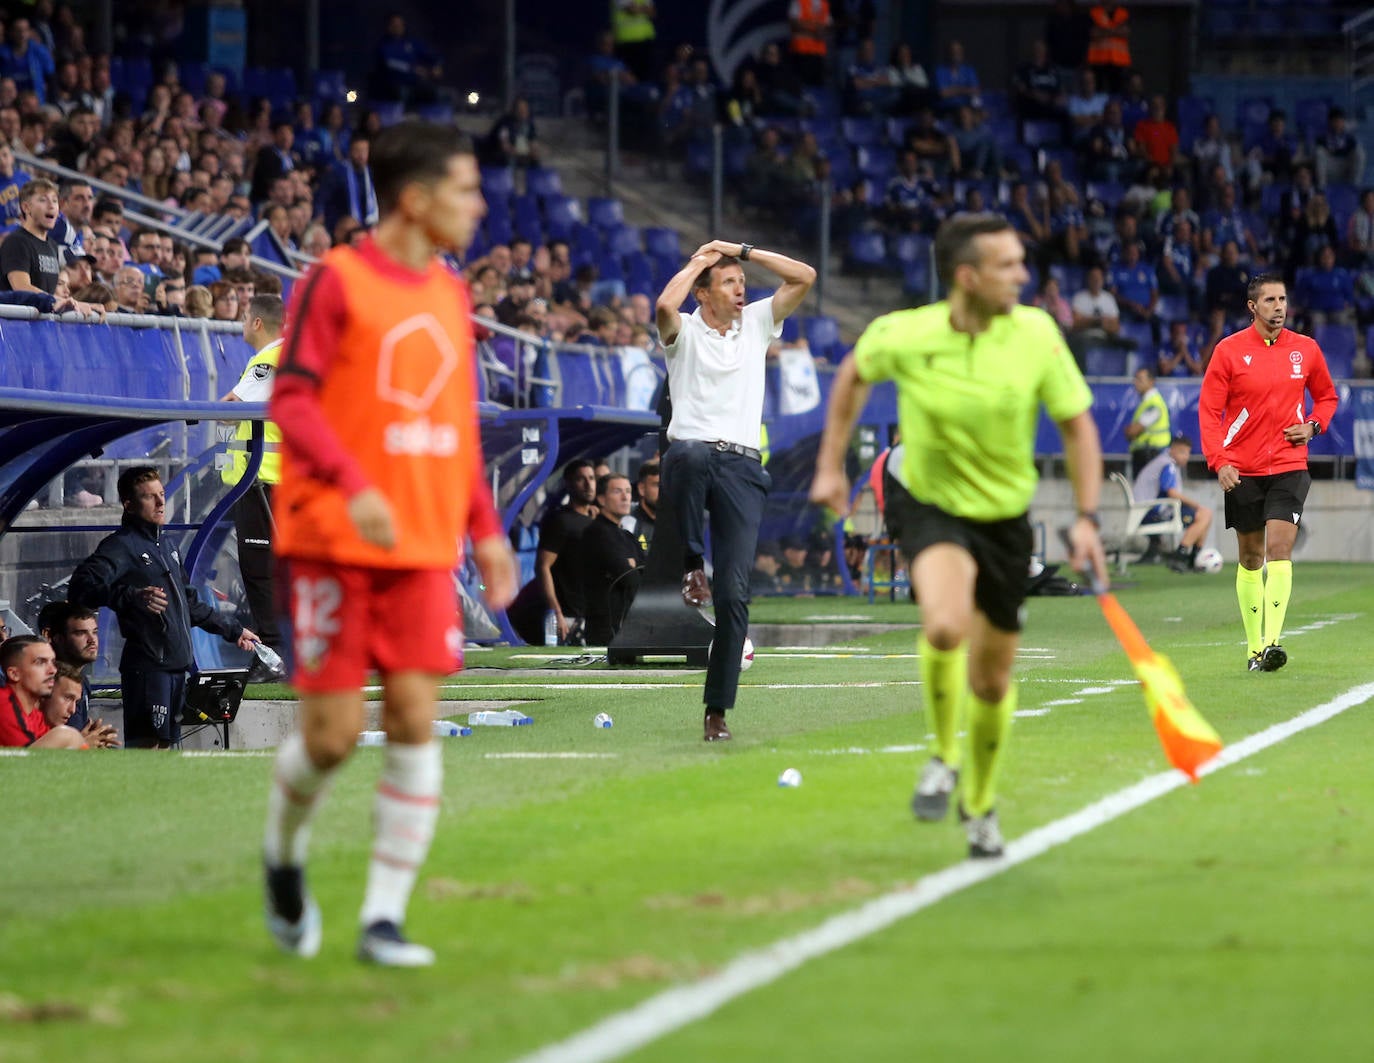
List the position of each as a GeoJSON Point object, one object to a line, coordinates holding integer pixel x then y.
{"type": "Point", "coordinates": [382, 478]}
{"type": "Point", "coordinates": [1255, 429]}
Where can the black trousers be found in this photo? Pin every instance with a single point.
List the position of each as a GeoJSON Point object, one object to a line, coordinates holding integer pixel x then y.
{"type": "Point", "coordinates": [732, 488]}
{"type": "Point", "coordinates": [253, 526]}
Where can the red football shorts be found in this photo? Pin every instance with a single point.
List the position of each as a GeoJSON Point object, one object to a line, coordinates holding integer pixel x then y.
{"type": "Point", "coordinates": [347, 621]}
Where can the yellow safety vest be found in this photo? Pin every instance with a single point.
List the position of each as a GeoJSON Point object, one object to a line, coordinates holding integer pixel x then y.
{"type": "Point", "coordinates": [1157, 435]}
{"type": "Point", "coordinates": [630, 28]}
{"type": "Point", "coordinates": [269, 472]}
{"type": "Point", "coordinates": [764, 451]}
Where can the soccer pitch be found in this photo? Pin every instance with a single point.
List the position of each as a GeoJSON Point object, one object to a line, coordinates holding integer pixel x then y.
{"type": "Point", "coordinates": [579, 873]}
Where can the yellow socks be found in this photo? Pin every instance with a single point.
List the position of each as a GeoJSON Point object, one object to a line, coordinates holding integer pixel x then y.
{"type": "Point", "coordinates": [1278, 588]}
{"type": "Point", "coordinates": [989, 727]}
{"type": "Point", "coordinates": [1250, 593]}
{"type": "Point", "coordinates": [944, 679]}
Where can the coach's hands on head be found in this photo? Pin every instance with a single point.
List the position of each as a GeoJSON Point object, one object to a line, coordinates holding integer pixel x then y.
{"type": "Point", "coordinates": [496, 563]}
{"type": "Point", "coordinates": [719, 249]}
{"type": "Point", "coordinates": [370, 513]}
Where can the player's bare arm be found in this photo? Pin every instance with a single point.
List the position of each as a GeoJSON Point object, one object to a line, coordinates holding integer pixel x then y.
{"type": "Point", "coordinates": [496, 563]}
{"type": "Point", "coordinates": [1083, 456]}
{"type": "Point", "coordinates": [848, 396]}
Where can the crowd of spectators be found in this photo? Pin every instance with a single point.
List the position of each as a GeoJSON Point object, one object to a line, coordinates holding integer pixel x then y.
{"type": "Point", "coordinates": [1175, 203]}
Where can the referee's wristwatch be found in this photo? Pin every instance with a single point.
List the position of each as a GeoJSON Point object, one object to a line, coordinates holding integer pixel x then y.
{"type": "Point", "coordinates": [1316, 426]}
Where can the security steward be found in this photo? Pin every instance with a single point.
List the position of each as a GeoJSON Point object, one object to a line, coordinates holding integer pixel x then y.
{"type": "Point", "coordinates": [262, 330]}
{"type": "Point", "coordinates": [1148, 432]}
{"type": "Point", "coordinates": [137, 573]}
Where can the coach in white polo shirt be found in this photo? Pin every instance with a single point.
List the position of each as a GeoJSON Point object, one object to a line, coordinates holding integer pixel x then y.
{"type": "Point", "coordinates": [715, 378]}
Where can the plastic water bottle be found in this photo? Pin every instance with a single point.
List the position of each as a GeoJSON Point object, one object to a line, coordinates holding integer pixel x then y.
{"type": "Point", "coordinates": [372, 738]}
{"type": "Point", "coordinates": [603, 719]}
{"type": "Point", "coordinates": [268, 656]}
{"type": "Point", "coordinates": [450, 729]}
{"type": "Point", "coordinates": [550, 628]}
{"type": "Point", "coordinates": [499, 718]}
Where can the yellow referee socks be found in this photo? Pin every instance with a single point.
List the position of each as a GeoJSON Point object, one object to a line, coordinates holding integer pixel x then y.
{"type": "Point", "coordinates": [1250, 593]}
{"type": "Point", "coordinates": [1278, 588]}
{"type": "Point", "coordinates": [989, 726]}
{"type": "Point", "coordinates": [944, 681]}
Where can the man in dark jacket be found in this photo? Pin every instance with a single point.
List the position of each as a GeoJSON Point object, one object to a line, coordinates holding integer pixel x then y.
{"type": "Point", "coordinates": [138, 574]}
{"type": "Point", "coordinates": [611, 560]}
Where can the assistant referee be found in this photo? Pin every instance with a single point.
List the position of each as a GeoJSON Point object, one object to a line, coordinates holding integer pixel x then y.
{"type": "Point", "coordinates": [971, 374]}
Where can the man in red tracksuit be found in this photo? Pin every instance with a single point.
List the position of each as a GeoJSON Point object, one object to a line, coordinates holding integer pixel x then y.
{"type": "Point", "coordinates": [1254, 435]}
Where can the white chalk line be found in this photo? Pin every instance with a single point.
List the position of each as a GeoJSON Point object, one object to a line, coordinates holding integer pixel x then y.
{"type": "Point", "coordinates": [550, 756]}
{"type": "Point", "coordinates": [680, 1006]}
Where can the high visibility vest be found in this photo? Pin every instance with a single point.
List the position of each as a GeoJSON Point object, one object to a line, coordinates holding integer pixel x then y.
{"type": "Point", "coordinates": [628, 27]}
{"type": "Point", "coordinates": [1157, 436]}
{"type": "Point", "coordinates": [1115, 49]}
{"type": "Point", "coordinates": [816, 14]}
{"type": "Point", "coordinates": [765, 452]}
{"type": "Point", "coordinates": [269, 472]}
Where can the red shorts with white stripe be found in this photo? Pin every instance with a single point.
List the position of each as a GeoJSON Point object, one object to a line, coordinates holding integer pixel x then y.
{"type": "Point", "coordinates": [348, 621]}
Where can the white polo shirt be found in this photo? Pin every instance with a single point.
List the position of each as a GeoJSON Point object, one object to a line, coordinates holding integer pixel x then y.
{"type": "Point", "coordinates": [717, 381]}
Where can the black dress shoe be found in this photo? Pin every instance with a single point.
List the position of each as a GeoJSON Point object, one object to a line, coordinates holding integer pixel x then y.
{"type": "Point", "coordinates": [715, 728]}
{"type": "Point", "coordinates": [696, 591]}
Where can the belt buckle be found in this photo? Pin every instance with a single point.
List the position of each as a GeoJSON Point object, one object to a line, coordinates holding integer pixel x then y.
{"type": "Point", "coordinates": [722, 446]}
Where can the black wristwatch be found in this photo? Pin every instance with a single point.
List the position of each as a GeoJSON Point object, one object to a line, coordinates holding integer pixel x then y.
{"type": "Point", "coordinates": [1316, 426]}
{"type": "Point", "coordinates": [744, 251]}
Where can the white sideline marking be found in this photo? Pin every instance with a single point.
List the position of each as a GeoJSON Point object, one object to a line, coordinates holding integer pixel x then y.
{"type": "Point", "coordinates": [14, 752]}
{"type": "Point", "coordinates": [1063, 701]}
{"type": "Point", "coordinates": [675, 1008]}
{"type": "Point", "coordinates": [228, 752]}
{"type": "Point", "coordinates": [1041, 712]}
{"type": "Point", "coordinates": [550, 756]}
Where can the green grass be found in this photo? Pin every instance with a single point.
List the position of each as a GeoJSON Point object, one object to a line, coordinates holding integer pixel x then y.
{"type": "Point", "coordinates": [1224, 921]}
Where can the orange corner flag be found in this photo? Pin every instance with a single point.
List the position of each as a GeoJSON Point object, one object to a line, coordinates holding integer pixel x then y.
{"type": "Point", "coordinates": [1189, 740]}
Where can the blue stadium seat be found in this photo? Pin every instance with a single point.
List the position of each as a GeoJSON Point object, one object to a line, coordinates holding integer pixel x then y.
{"type": "Point", "coordinates": [561, 213]}
{"type": "Point", "coordinates": [825, 103]}
{"type": "Point", "coordinates": [527, 216]}
{"type": "Point", "coordinates": [1109, 192]}
{"type": "Point", "coordinates": [867, 252]}
{"type": "Point", "coordinates": [1338, 344]}
{"type": "Point", "coordinates": [608, 267]}
{"type": "Point", "coordinates": [328, 86]}
{"type": "Point", "coordinates": [192, 77]}
{"type": "Point", "coordinates": [916, 279]}
{"type": "Point", "coordinates": [436, 112]}
{"type": "Point", "coordinates": [823, 337]}
{"type": "Point", "coordinates": [876, 164]}
{"type": "Point", "coordinates": [543, 182]}
{"type": "Point", "coordinates": [736, 159]}
{"type": "Point", "coordinates": [699, 159]}
{"type": "Point", "coordinates": [1141, 332]}
{"type": "Point", "coordinates": [497, 183]}
{"type": "Point", "coordinates": [1253, 110]}
{"type": "Point", "coordinates": [604, 213]}
{"type": "Point", "coordinates": [1309, 116]}
{"type": "Point", "coordinates": [585, 243]}
{"type": "Point", "coordinates": [622, 239]}
{"type": "Point", "coordinates": [1343, 199]}
{"type": "Point", "coordinates": [825, 130]}
{"type": "Point", "coordinates": [995, 102]}
{"type": "Point", "coordinates": [639, 273]}
{"type": "Point", "coordinates": [1104, 361]}
{"type": "Point", "coordinates": [1042, 134]}
{"type": "Point", "coordinates": [862, 132]}
{"type": "Point", "coordinates": [1173, 307]}
{"type": "Point", "coordinates": [661, 240]}
{"type": "Point", "coordinates": [499, 229]}
{"type": "Point", "coordinates": [388, 113]}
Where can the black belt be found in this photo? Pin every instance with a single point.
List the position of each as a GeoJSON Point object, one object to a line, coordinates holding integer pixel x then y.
{"type": "Point", "coordinates": [726, 447]}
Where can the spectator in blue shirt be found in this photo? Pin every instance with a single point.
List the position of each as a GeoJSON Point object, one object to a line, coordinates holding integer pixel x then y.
{"type": "Point", "coordinates": [1178, 355]}
{"type": "Point", "coordinates": [1226, 221]}
{"type": "Point", "coordinates": [911, 197]}
{"type": "Point", "coordinates": [1327, 292]}
{"type": "Point", "coordinates": [1178, 264]}
{"type": "Point", "coordinates": [1275, 153]}
{"type": "Point", "coordinates": [26, 60]}
{"type": "Point", "coordinates": [406, 70]}
{"type": "Point", "coordinates": [1133, 283]}
{"type": "Point", "coordinates": [868, 88]}
{"type": "Point", "coordinates": [11, 181]}
{"type": "Point", "coordinates": [956, 81]}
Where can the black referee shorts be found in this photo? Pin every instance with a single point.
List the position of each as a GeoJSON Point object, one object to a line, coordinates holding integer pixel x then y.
{"type": "Point", "coordinates": [1001, 549]}
{"type": "Point", "coordinates": [1259, 499]}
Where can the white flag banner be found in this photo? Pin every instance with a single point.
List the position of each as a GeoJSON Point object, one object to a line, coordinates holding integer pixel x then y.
{"type": "Point", "coordinates": [641, 380]}
{"type": "Point", "coordinates": [801, 388]}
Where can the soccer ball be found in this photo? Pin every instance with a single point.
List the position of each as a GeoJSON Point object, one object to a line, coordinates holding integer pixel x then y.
{"type": "Point", "coordinates": [1209, 560]}
{"type": "Point", "coordinates": [747, 661]}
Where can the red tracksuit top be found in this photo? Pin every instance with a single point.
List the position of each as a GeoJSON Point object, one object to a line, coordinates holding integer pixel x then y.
{"type": "Point", "coordinates": [1252, 391]}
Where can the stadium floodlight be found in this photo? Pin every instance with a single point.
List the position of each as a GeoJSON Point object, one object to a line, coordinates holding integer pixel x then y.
{"type": "Point", "coordinates": [473, 99]}
{"type": "Point", "coordinates": [351, 95]}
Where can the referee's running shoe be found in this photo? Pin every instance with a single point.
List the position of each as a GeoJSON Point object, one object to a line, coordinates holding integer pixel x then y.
{"type": "Point", "coordinates": [1273, 658]}
{"type": "Point", "coordinates": [383, 943]}
{"type": "Point", "coordinates": [1256, 662]}
{"type": "Point", "coordinates": [983, 833]}
{"type": "Point", "coordinates": [293, 917]}
{"type": "Point", "coordinates": [930, 802]}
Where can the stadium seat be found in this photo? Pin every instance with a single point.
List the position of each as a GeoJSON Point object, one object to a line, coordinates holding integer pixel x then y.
{"type": "Point", "coordinates": [192, 77]}
{"type": "Point", "coordinates": [543, 182]}
{"type": "Point", "coordinates": [876, 164]}
{"type": "Point", "coordinates": [1338, 345]}
{"type": "Point", "coordinates": [561, 213]}
{"type": "Point", "coordinates": [825, 103]}
{"type": "Point", "coordinates": [639, 274]}
{"type": "Point", "coordinates": [328, 86]}
{"type": "Point", "coordinates": [1041, 134]}
{"type": "Point", "coordinates": [1108, 192]}
{"type": "Point", "coordinates": [823, 337]}
{"type": "Point", "coordinates": [909, 248]}
{"type": "Point", "coordinates": [622, 239]}
{"type": "Point", "coordinates": [436, 112]}
{"type": "Point", "coordinates": [699, 159]}
{"type": "Point", "coordinates": [1253, 110]}
{"type": "Point", "coordinates": [528, 222]}
{"type": "Point", "coordinates": [1309, 116]}
{"type": "Point", "coordinates": [608, 267]}
{"type": "Point", "coordinates": [1104, 361]}
{"type": "Point", "coordinates": [497, 183]}
{"type": "Point", "coordinates": [867, 252]}
{"type": "Point", "coordinates": [388, 113]}
{"type": "Point", "coordinates": [604, 213]}
{"type": "Point", "coordinates": [862, 132]}
{"type": "Point", "coordinates": [499, 229]}
{"type": "Point", "coordinates": [1143, 335]}
{"type": "Point", "coordinates": [661, 240]}
{"type": "Point", "coordinates": [1173, 308]}
{"type": "Point", "coordinates": [1343, 200]}
{"type": "Point", "coordinates": [916, 280]}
